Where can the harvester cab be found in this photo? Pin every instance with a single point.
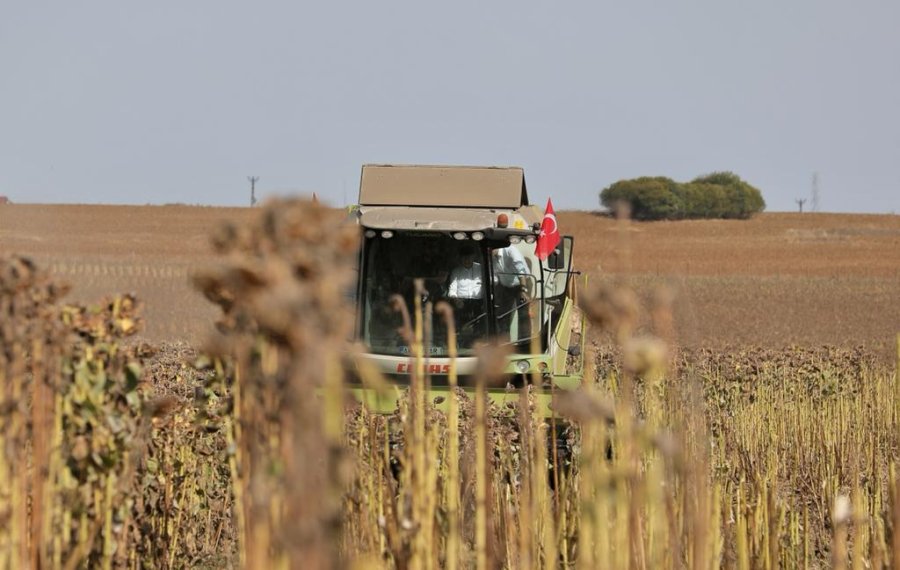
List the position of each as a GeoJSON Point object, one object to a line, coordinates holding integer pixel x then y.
{"type": "Point", "coordinates": [467, 236]}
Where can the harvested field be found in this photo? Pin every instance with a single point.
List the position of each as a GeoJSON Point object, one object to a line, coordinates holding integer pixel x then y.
{"type": "Point", "coordinates": [148, 250]}
{"type": "Point", "coordinates": [776, 280]}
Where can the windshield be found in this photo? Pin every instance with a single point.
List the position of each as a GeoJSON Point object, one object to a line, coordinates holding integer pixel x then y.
{"type": "Point", "coordinates": [452, 270]}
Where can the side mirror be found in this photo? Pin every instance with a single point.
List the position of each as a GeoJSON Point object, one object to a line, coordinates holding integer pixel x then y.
{"type": "Point", "coordinates": [557, 260]}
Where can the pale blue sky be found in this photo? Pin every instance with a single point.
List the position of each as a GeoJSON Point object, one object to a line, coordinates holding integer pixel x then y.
{"type": "Point", "coordinates": [180, 101]}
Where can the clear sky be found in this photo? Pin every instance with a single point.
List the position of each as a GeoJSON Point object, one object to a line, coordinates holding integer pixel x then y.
{"type": "Point", "coordinates": [180, 101]}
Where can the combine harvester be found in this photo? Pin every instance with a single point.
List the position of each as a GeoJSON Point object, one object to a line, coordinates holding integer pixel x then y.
{"type": "Point", "coordinates": [467, 235]}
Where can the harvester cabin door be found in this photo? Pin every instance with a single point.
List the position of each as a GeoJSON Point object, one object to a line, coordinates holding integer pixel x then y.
{"type": "Point", "coordinates": [557, 271]}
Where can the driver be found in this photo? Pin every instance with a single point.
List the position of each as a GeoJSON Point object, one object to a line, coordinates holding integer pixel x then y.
{"type": "Point", "coordinates": [465, 291]}
{"type": "Point", "coordinates": [465, 279]}
{"type": "Point", "coordinates": [510, 286]}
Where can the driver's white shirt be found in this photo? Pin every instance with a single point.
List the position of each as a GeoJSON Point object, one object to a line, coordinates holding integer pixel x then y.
{"type": "Point", "coordinates": [509, 266]}
{"type": "Point", "coordinates": [465, 282]}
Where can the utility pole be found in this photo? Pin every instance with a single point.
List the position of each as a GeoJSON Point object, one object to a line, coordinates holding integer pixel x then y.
{"type": "Point", "coordinates": [800, 202]}
{"type": "Point", "coordinates": [253, 180]}
{"type": "Point", "coordinates": [815, 192]}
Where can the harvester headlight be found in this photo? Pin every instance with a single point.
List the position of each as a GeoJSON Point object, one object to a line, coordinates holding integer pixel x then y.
{"type": "Point", "coordinates": [459, 235]}
{"type": "Point", "coordinates": [387, 234]}
{"type": "Point", "coordinates": [370, 233]}
{"type": "Point", "coordinates": [529, 239]}
{"type": "Point", "coordinates": [478, 236]}
{"type": "Point", "coordinates": [514, 239]}
{"type": "Point", "coordinates": [522, 366]}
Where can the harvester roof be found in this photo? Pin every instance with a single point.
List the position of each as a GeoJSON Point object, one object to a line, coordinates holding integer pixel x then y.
{"type": "Point", "coordinates": [443, 186]}
{"type": "Point", "coordinates": [444, 198]}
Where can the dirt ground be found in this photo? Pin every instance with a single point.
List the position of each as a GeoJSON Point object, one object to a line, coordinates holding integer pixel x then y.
{"type": "Point", "coordinates": [776, 280]}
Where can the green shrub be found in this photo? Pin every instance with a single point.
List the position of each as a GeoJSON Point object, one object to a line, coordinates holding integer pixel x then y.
{"type": "Point", "coordinates": [650, 198]}
{"type": "Point", "coordinates": [716, 195]}
{"type": "Point", "coordinates": [744, 200]}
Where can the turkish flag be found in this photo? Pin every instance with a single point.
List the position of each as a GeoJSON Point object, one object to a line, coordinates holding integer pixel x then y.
{"type": "Point", "coordinates": [549, 237]}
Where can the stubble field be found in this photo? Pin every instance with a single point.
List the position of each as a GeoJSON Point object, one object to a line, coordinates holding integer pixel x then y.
{"type": "Point", "coordinates": [775, 281]}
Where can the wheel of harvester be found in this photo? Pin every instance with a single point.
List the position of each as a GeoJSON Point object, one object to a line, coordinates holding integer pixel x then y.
{"type": "Point", "coordinates": [560, 439]}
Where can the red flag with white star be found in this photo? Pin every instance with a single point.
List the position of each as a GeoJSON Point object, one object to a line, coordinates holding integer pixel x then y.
{"type": "Point", "coordinates": [549, 237]}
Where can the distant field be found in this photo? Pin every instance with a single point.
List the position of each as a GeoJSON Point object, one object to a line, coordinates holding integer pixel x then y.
{"type": "Point", "coordinates": [149, 250]}
{"type": "Point", "coordinates": [775, 280]}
